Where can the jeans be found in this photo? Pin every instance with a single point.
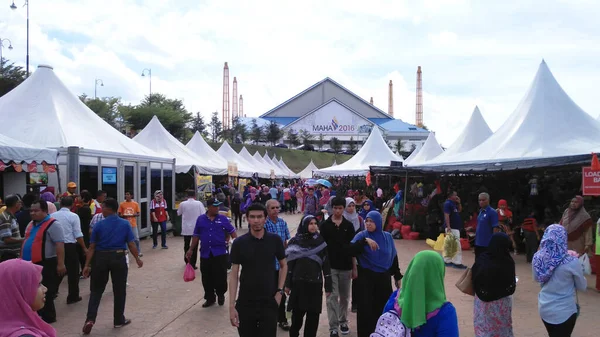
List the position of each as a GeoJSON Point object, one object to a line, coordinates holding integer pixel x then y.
{"type": "Point", "coordinates": [136, 236]}
{"type": "Point", "coordinates": [106, 263]}
{"type": "Point", "coordinates": [337, 302]}
{"type": "Point", "coordinates": [311, 326]}
{"type": "Point", "coordinates": [163, 233]}
{"type": "Point", "coordinates": [51, 281]}
{"type": "Point", "coordinates": [214, 276]}
{"type": "Point", "coordinates": [186, 246]}
{"type": "Point", "coordinates": [257, 318]}
{"type": "Point", "coordinates": [563, 329]}
{"type": "Point", "coordinates": [72, 264]}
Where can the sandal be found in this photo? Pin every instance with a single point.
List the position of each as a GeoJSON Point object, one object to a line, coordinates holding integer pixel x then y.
{"type": "Point", "coordinates": [284, 326]}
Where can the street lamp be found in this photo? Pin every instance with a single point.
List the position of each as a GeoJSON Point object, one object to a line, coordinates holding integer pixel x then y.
{"type": "Point", "coordinates": [96, 86]}
{"type": "Point", "coordinates": [10, 47]}
{"type": "Point", "coordinates": [13, 7]}
{"type": "Point", "coordinates": [149, 71]}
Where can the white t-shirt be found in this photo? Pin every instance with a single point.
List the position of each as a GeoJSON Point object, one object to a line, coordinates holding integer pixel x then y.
{"type": "Point", "coordinates": [190, 210]}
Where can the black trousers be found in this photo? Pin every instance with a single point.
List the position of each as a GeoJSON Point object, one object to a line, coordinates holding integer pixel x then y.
{"type": "Point", "coordinates": [311, 326]}
{"type": "Point", "coordinates": [563, 329]}
{"type": "Point", "coordinates": [214, 276]}
{"type": "Point", "coordinates": [82, 256]}
{"type": "Point", "coordinates": [531, 244]}
{"type": "Point", "coordinates": [281, 318]}
{"type": "Point", "coordinates": [72, 263]}
{"type": "Point", "coordinates": [186, 246]}
{"type": "Point", "coordinates": [51, 281]}
{"type": "Point", "coordinates": [257, 318]}
{"type": "Point", "coordinates": [106, 263]}
{"type": "Point", "coordinates": [375, 289]}
{"type": "Point", "coordinates": [354, 294]}
{"type": "Point", "coordinates": [479, 250]}
{"type": "Point", "coordinates": [237, 217]}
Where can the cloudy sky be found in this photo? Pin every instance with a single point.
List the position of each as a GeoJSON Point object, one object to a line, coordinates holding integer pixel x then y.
{"type": "Point", "coordinates": [472, 53]}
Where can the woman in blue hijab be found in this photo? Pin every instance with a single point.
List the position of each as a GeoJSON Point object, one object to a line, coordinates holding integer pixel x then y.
{"type": "Point", "coordinates": [377, 261]}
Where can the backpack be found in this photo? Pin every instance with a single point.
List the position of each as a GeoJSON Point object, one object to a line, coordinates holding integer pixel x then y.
{"type": "Point", "coordinates": [389, 325]}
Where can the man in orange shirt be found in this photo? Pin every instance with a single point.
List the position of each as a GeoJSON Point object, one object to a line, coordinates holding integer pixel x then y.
{"type": "Point", "coordinates": [130, 210]}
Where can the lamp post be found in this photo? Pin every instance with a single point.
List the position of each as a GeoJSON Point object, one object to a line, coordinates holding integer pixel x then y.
{"type": "Point", "coordinates": [149, 72]}
{"type": "Point", "coordinates": [96, 86]}
{"type": "Point", "coordinates": [13, 7]}
{"type": "Point", "coordinates": [10, 47]}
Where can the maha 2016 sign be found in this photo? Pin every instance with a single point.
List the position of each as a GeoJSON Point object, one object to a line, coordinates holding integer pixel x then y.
{"type": "Point", "coordinates": [333, 118]}
{"type": "Point", "coordinates": [591, 181]}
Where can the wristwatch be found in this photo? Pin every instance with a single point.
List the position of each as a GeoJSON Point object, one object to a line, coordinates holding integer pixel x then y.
{"type": "Point", "coordinates": [281, 291]}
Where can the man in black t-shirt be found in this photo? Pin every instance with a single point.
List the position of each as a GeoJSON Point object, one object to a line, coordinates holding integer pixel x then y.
{"type": "Point", "coordinates": [255, 311]}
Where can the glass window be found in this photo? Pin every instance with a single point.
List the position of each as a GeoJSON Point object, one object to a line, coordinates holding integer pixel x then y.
{"type": "Point", "coordinates": [168, 186]}
{"type": "Point", "coordinates": [129, 173]}
{"type": "Point", "coordinates": [88, 178]}
{"type": "Point", "coordinates": [155, 182]}
{"type": "Point", "coordinates": [144, 214]}
{"type": "Point", "coordinates": [143, 182]}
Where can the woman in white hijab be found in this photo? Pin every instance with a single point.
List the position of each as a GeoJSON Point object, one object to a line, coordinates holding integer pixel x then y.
{"type": "Point", "coordinates": [351, 215]}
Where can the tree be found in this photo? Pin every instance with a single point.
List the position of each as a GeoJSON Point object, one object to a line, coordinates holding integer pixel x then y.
{"type": "Point", "coordinates": [292, 138]}
{"type": "Point", "coordinates": [273, 133]}
{"type": "Point", "coordinates": [10, 76]}
{"type": "Point", "coordinates": [198, 124]}
{"type": "Point", "coordinates": [351, 145]}
{"type": "Point", "coordinates": [321, 141]}
{"type": "Point", "coordinates": [306, 137]}
{"type": "Point", "coordinates": [107, 108]}
{"type": "Point", "coordinates": [256, 132]}
{"type": "Point", "coordinates": [398, 146]}
{"type": "Point", "coordinates": [425, 127]}
{"type": "Point", "coordinates": [216, 127]}
{"type": "Point", "coordinates": [335, 144]}
{"type": "Point", "coordinates": [238, 131]}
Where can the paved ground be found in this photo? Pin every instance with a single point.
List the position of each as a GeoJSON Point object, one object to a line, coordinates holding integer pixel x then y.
{"type": "Point", "coordinates": [161, 304]}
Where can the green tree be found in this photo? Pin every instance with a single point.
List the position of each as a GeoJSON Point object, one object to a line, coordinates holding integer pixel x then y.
{"type": "Point", "coordinates": [107, 108]}
{"type": "Point", "coordinates": [273, 132]}
{"type": "Point", "coordinates": [425, 127]}
{"type": "Point", "coordinates": [335, 144]}
{"type": "Point", "coordinates": [10, 76]}
{"type": "Point", "coordinates": [256, 132]}
{"type": "Point", "coordinates": [320, 141]}
{"type": "Point", "coordinates": [398, 146]}
{"type": "Point", "coordinates": [292, 138]}
{"type": "Point", "coordinates": [352, 145]}
{"type": "Point", "coordinates": [198, 124]}
{"type": "Point", "coordinates": [239, 132]}
{"type": "Point", "coordinates": [216, 127]}
{"type": "Point", "coordinates": [306, 137]}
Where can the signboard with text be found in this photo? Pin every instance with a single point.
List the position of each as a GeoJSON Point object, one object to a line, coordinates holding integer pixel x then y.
{"type": "Point", "coordinates": [591, 181]}
{"type": "Point", "coordinates": [333, 119]}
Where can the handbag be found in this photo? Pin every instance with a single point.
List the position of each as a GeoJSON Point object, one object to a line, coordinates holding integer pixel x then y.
{"type": "Point", "coordinates": [465, 282]}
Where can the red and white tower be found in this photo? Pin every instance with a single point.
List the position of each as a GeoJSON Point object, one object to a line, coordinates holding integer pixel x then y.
{"type": "Point", "coordinates": [419, 108]}
{"type": "Point", "coordinates": [226, 117]}
{"type": "Point", "coordinates": [234, 103]}
{"type": "Point", "coordinates": [371, 101]}
{"type": "Point", "coordinates": [241, 112]}
{"type": "Point", "coordinates": [391, 100]}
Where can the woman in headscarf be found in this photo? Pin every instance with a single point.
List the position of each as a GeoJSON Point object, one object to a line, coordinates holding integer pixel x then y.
{"type": "Point", "coordinates": [324, 197]}
{"type": "Point", "coordinates": [578, 224]}
{"type": "Point", "coordinates": [505, 220]}
{"type": "Point", "coordinates": [421, 304]}
{"type": "Point", "coordinates": [494, 281]}
{"type": "Point", "coordinates": [367, 206]}
{"type": "Point", "coordinates": [560, 276]}
{"type": "Point", "coordinates": [377, 262]}
{"type": "Point", "coordinates": [50, 200]}
{"type": "Point", "coordinates": [22, 295]}
{"type": "Point", "coordinates": [308, 266]}
{"type": "Point", "coordinates": [351, 215]}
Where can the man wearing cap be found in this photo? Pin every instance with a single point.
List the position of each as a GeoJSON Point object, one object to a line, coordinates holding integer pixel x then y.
{"type": "Point", "coordinates": [72, 192]}
{"type": "Point", "coordinates": [159, 216]}
{"type": "Point", "coordinates": [211, 231]}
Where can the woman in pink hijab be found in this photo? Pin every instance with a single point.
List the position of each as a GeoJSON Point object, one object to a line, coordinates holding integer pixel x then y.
{"type": "Point", "coordinates": [22, 294]}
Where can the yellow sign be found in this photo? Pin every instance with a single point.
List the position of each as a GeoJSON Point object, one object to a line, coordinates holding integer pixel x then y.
{"type": "Point", "coordinates": [272, 174]}
{"type": "Point", "coordinates": [232, 169]}
{"type": "Point", "coordinates": [203, 180]}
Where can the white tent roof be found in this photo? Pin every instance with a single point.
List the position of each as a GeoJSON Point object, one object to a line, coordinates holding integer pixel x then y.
{"type": "Point", "coordinates": [287, 173]}
{"type": "Point", "coordinates": [292, 173]}
{"type": "Point", "coordinates": [49, 115]}
{"type": "Point", "coordinates": [375, 152]}
{"type": "Point", "coordinates": [278, 171]}
{"type": "Point", "coordinates": [210, 157]}
{"type": "Point", "coordinates": [475, 132]}
{"type": "Point", "coordinates": [16, 151]}
{"type": "Point", "coordinates": [245, 169]}
{"type": "Point", "coordinates": [545, 124]}
{"type": "Point", "coordinates": [430, 150]}
{"type": "Point", "coordinates": [265, 171]}
{"type": "Point", "coordinates": [307, 173]}
{"type": "Point", "coordinates": [154, 136]}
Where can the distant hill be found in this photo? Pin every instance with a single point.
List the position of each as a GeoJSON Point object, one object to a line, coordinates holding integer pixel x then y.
{"type": "Point", "coordinates": [296, 160]}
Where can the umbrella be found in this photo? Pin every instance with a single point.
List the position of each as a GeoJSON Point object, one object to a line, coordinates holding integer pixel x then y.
{"type": "Point", "coordinates": [324, 182]}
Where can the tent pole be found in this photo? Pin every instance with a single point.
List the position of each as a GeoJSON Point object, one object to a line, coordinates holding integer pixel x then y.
{"type": "Point", "coordinates": [405, 196]}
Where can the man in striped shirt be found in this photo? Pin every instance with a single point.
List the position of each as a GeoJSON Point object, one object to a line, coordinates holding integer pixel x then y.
{"type": "Point", "coordinates": [10, 237]}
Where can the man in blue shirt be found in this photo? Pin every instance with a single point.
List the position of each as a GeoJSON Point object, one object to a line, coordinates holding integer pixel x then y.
{"type": "Point", "coordinates": [487, 224]}
{"type": "Point", "coordinates": [454, 225]}
{"type": "Point", "coordinates": [108, 247]}
{"type": "Point", "coordinates": [211, 231]}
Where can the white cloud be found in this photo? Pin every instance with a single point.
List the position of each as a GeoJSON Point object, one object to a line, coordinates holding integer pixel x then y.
{"type": "Point", "coordinates": [471, 52]}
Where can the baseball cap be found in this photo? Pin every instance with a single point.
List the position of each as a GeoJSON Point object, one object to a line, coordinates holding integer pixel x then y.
{"type": "Point", "coordinates": [213, 202]}
{"type": "Point", "coordinates": [157, 192]}
{"type": "Point", "coordinates": [71, 185]}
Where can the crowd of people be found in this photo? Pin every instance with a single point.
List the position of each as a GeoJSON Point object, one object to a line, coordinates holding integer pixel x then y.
{"type": "Point", "coordinates": [341, 248]}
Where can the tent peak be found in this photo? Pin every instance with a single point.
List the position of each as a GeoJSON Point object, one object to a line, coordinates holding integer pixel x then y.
{"type": "Point", "coordinates": [46, 66]}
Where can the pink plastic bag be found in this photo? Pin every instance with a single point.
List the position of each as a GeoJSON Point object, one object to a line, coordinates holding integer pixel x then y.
{"type": "Point", "coordinates": [189, 274]}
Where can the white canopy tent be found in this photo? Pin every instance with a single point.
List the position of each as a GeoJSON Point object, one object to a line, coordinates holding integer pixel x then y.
{"type": "Point", "coordinates": [307, 173]}
{"type": "Point", "coordinates": [18, 152]}
{"type": "Point", "coordinates": [278, 171]}
{"type": "Point", "coordinates": [245, 169]}
{"type": "Point", "coordinates": [430, 150]}
{"type": "Point", "coordinates": [264, 163]}
{"type": "Point", "coordinates": [475, 132]}
{"type": "Point", "coordinates": [292, 174]}
{"type": "Point", "coordinates": [375, 152]}
{"type": "Point", "coordinates": [545, 124]}
{"type": "Point", "coordinates": [259, 164]}
{"type": "Point", "coordinates": [210, 157]}
{"type": "Point", "coordinates": [287, 173]}
{"type": "Point", "coordinates": [154, 136]}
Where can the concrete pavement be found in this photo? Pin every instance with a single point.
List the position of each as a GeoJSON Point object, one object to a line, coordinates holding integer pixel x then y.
{"type": "Point", "coordinates": [160, 303]}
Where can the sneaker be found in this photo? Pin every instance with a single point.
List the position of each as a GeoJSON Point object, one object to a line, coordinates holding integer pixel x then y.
{"type": "Point", "coordinates": [460, 266]}
{"type": "Point", "coordinates": [154, 247]}
{"type": "Point", "coordinates": [208, 304]}
{"type": "Point", "coordinates": [87, 327]}
{"type": "Point", "coordinates": [140, 255]}
{"type": "Point", "coordinates": [449, 264]}
{"type": "Point", "coordinates": [221, 300]}
{"type": "Point", "coordinates": [333, 333]}
{"type": "Point", "coordinates": [344, 329]}
{"type": "Point", "coordinates": [164, 247]}
{"type": "Point", "coordinates": [125, 322]}
{"type": "Point", "coordinates": [74, 300]}
{"type": "Point", "coordinates": [284, 326]}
